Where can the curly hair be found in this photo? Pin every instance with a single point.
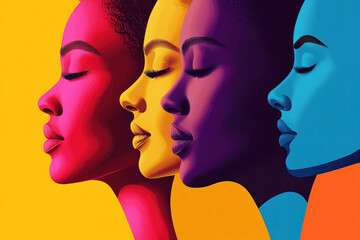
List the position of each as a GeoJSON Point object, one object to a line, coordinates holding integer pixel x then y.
{"type": "Point", "coordinates": [128, 20]}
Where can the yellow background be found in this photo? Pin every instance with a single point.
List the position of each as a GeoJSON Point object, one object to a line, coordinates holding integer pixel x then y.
{"type": "Point", "coordinates": [34, 207]}
{"type": "Point", "coordinates": [31, 205]}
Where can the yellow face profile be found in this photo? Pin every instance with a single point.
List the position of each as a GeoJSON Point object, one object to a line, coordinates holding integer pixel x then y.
{"type": "Point", "coordinates": [162, 68]}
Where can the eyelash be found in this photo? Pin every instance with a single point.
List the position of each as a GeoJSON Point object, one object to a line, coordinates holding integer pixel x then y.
{"type": "Point", "coordinates": [154, 74]}
{"type": "Point", "coordinates": [303, 70]}
{"type": "Point", "coordinates": [198, 73]}
{"type": "Point", "coordinates": [71, 76]}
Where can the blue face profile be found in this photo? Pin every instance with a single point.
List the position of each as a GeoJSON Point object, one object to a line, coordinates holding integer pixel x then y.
{"type": "Point", "coordinates": [320, 98]}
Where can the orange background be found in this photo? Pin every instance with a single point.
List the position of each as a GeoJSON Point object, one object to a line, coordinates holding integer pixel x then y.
{"type": "Point", "coordinates": [333, 210]}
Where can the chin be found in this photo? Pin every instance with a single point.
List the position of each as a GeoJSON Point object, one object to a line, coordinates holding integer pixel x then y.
{"type": "Point", "coordinates": [59, 175]}
{"type": "Point", "coordinates": [167, 166]}
{"type": "Point", "coordinates": [194, 177]}
{"type": "Point", "coordinates": [64, 174]}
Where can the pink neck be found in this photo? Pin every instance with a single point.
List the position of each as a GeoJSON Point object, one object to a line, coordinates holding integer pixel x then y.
{"type": "Point", "coordinates": [145, 202]}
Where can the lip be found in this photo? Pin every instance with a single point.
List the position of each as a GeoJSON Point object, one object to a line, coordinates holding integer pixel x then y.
{"type": "Point", "coordinates": [141, 136]}
{"type": "Point", "coordinates": [54, 139]}
{"type": "Point", "coordinates": [182, 140]}
{"type": "Point", "coordinates": [287, 135]}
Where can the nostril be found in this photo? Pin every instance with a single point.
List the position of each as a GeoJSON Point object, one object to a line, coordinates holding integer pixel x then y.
{"type": "Point", "coordinates": [278, 106]}
{"type": "Point", "coordinates": [48, 111]}
{"type": "Point", "coordinates": [171, 110]}
{"type": "Point", "coordinates": [130, 108]}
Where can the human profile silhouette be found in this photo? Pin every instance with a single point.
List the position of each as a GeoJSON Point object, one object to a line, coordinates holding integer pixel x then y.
{"type": "Point", "coordinates": [317, 100]}
{"type": "Point", "coordinates": [319, 121]}
{"type": "Point", "coordinates": [162, 68]}
{"type": "Point", "coordinates": [88, 134]}
{"type": "Point", "coordinates": [233, 53]}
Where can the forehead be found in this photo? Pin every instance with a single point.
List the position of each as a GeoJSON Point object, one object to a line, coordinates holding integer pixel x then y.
{"type": "Point", "coordinates": [331, 21]}
{"type": "Point", "coordinates": [215, 19]}
{"type": "Point", "coordinates": [165, 21]}
{"type": "Point", "coordinates": [89, 23]}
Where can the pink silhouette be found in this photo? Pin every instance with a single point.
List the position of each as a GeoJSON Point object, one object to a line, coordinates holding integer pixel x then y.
{"type": "Point", "coordinates": [88, 131]}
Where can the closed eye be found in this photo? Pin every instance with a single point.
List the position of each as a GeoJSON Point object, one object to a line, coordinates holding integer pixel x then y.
{"type": "Point", "coordinates": [198, 73]}
{"type": "Point", "coordinates": [302, 70]}
{"type": "Point", "coordinates": [71, 76]}
{"type": "Point", "coordinates": [154, 74]}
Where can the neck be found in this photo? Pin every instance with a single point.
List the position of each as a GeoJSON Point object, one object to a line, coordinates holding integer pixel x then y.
{"type": "Point", "coordinates": [271, 179]}
{"type": "Point", "coordinates": [145, 202]}
{"type": "Point", "coordinates": [284, 215]}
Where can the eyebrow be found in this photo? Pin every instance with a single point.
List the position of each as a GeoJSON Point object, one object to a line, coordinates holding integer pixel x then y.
{"type": "Point", "coordinates": [197, 40]}
{"type": "Point", "coordinates": [307, 38]}
{"type": "Point", "coordinates": [78, 45]}
{"type": "Point", "coordinates": [159, 43]}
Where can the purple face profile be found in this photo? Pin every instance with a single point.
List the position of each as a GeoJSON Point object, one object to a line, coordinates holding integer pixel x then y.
{"type": "Point", "coordinates": [224, 128]}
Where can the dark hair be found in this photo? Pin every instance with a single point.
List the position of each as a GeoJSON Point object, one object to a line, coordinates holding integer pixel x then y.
{"type": "Point", "coordinates": [129, 18]}
{"type": "Point", "coordinates": [275, 19]}
{"type": "Point", "coordinates": [265, 13]}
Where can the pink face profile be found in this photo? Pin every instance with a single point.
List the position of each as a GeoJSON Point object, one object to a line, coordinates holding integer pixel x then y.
{"type": "Point", "coordinates": [88, 134]}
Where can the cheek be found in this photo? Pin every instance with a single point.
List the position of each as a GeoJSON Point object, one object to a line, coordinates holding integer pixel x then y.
{"type": "Point", "coordinates": [155, 115]}
{"type": "Point", "coordinates": [327, 116]}
{"type": "Point", "coordinates": [213, 101]}
{"type": "Point", "coordinates": [161, 127]}
{"type": "Point", "coordinates": [203, 94]}
{"type": "Point", "coordinates": [87, 109]}
{"type": "Point", "coordinates": [223, 116]}
{"type": "Point", "coordinates": [156, 90]}
{"type": "Point", "coordinates": [309, 96]}
{"type": "Point", "coordinates": [80, 112]}
{"type": "Point", "coordinates": [90, 139]}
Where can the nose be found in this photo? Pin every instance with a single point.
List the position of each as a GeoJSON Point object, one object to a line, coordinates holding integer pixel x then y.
{"type": "Point", "coordinates": [279, 100]}
{"type": "Point", "coordinates": [132, 100]}
{"type": "Point", "coordinates": [49, 103]}
{"type": "Point", "coordinates": [175, 101]}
